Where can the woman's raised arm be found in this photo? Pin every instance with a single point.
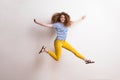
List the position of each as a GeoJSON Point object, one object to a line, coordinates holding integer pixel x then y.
{"type": "Point", "coordinates": [43, 24]}
{"type": "Point", "coordinates": [78, 21]}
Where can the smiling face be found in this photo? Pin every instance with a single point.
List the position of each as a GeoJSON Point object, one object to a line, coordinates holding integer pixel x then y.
{"type": "Point", "coordinates": [62, 18]}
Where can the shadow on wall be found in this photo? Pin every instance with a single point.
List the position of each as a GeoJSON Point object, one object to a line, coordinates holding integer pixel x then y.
{"type": "Point", "coordinates": [42, 35]}
{"type": "Point", "coordinates": [39, 36]}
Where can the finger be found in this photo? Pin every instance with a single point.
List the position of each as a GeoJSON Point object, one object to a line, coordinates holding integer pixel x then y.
{"type": "Point", "coordinates": [34, 20]}
{"type": "Point", "coordinates": [83, 17]}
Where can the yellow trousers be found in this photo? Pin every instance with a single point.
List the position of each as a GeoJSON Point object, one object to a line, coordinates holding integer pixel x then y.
{"type": "Point", "coordinates": [58, 44]}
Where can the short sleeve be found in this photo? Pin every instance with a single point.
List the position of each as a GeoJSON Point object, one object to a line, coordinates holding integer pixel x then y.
{"type": "Point", "coordinates": [54, 25]}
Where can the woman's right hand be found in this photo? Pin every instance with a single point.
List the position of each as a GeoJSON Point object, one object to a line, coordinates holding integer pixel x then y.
{"type": "Point", "coordinates": [42, 24]}
{"type": "Point", "coordinates": [35, 21]}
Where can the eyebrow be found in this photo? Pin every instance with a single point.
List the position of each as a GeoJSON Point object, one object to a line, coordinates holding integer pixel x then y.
{"type": "Point", "coordinates": [62, 16]}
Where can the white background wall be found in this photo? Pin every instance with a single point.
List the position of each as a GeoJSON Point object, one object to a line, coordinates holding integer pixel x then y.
{"type": "Point", "coordinates": [97, 38]}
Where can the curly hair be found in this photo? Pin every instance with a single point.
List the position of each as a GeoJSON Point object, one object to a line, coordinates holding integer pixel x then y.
{"type": "Point", "coordinates": [56, 18]}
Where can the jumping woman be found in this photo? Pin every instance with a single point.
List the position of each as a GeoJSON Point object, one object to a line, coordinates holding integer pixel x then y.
{"type": "Point", "coordinates": [60, 22]}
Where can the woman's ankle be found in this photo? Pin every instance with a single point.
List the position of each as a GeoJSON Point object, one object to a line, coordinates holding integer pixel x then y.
{"type": "Point", "coordinates": [46, 50]}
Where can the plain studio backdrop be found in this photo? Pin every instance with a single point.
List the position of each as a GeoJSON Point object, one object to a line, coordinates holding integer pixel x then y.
{"type": "Point", "coordinates": [97, 37]}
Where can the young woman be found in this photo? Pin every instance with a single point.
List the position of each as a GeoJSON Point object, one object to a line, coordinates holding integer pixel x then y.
{"type": "Point", "coordinates": [60, 22]}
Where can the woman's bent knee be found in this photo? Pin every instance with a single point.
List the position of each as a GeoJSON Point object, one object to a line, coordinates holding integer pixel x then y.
{"type": "Point", "coordinates": [57, 59]}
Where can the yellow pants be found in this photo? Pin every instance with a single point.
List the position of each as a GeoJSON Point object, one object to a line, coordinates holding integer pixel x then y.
{"type": "Point", "coordinates": [58, 44]}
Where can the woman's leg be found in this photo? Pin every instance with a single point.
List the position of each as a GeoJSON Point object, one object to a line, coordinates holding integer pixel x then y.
{"type": "Point", "coordinates": [58, 49]}
{"type": "Point", "coordinates": [67, 46]}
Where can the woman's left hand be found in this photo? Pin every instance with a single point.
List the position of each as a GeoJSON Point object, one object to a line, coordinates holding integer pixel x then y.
{"type": "Point", "coordinates": [83, 17]}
